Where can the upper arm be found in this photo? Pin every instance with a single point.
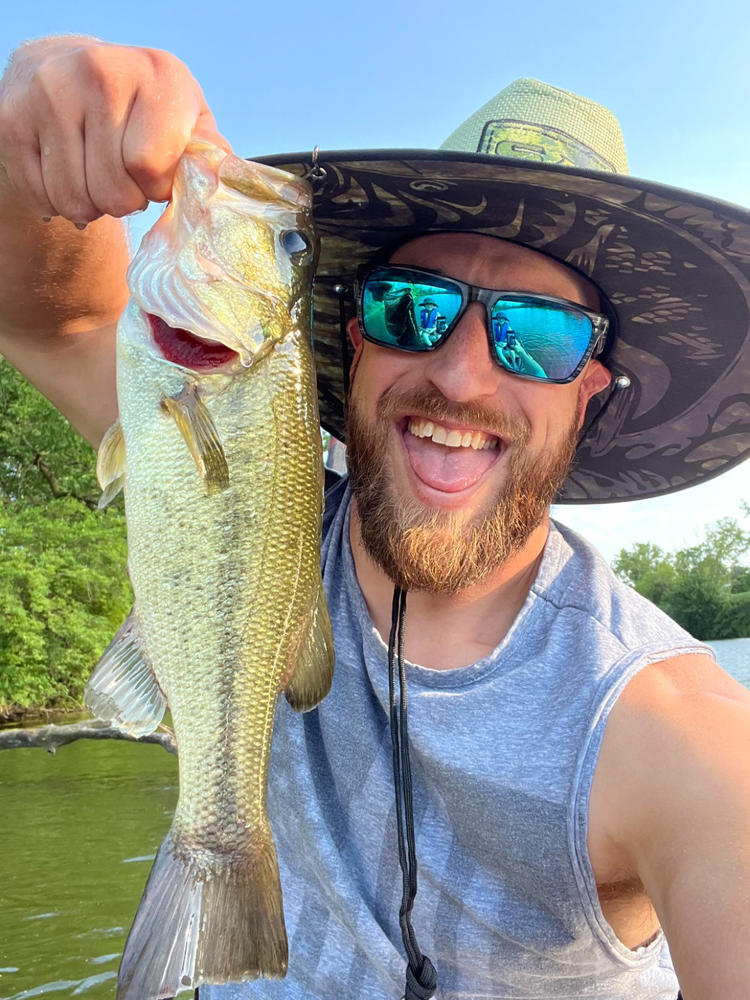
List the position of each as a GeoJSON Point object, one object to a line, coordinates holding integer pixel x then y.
{"type": "Point", "coordinates": [676, 764]}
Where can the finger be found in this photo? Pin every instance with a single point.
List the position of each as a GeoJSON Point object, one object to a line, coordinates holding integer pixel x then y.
{"type": "Point", "coordinates": [61, 155]}
{"type": "Point", "coordinates": [111, 188]}
{"type": "Point", "coordinates": [152, 145]}
{"type": "Point", "coordinates": [60, 143]}
{"type": "Point", "coordinates": [24, 175]}
{"type": "Point", "coordinates": [19, 159]}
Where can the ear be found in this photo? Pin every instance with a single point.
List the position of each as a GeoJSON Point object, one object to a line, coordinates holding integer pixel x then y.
{"type": "Point", "coordinates": [358, 342]}
{"type": "Point", "coordinates": [355, 334]}
{"type": "Point", "coordinates": [595, 378]}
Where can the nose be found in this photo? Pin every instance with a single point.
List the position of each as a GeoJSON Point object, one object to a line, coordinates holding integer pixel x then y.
{"type": "Point", "coordinates": [462, 368]}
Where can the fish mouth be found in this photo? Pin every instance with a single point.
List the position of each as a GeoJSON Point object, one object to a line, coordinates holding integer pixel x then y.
{"type": "Point", "coordinates": [187, 349]}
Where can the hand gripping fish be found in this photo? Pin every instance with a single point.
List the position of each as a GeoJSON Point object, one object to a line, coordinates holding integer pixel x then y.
{"type": "Point", "coordinates": [218, 449]}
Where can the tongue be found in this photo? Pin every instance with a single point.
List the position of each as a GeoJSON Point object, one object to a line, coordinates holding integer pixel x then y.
{"type": "Point", "coordinates": [447, 469]}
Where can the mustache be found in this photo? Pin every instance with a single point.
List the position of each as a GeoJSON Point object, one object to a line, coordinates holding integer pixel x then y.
{"type": "Point", "coordinates": [431, 403]}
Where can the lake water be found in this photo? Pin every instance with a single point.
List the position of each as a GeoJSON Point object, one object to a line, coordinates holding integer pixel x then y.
{"type": "Point", "coordinates": [78, 832]}
{"type": "Point", "coordinates": [734, 656]}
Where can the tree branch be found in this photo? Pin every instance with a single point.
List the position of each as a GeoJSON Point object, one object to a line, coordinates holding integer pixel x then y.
{"type": "Point", "coordinates": [39, 462]}
{"type": "Point", "coordinates": [51, 737]}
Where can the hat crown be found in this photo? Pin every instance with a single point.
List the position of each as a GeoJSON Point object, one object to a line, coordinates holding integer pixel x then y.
{"type": "Point", "coordinates": [531, 120]}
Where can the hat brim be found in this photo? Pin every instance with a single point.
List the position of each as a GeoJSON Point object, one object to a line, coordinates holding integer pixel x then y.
{"type": "Point", "coordinates": [675, 267]}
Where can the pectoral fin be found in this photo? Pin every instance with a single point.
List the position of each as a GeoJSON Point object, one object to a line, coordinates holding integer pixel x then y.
{"type": "Point", "coordinates": [123, 689]}
{"type": "Point", "coordinates": [110, 464]}
{"type": "Point", "coordinates": [197, 427]}
{"type": "Point", "coordinates": [313, 672]}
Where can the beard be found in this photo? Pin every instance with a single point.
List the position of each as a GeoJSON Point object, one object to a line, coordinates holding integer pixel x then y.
{"type": "Point", "coordinates": [444, 552]}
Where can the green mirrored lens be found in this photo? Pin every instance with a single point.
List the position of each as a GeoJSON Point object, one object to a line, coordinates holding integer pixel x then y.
{"type": "Point", "coordinates": [412, 315]}
{"type": "Point", "coordinates": [543, 341]}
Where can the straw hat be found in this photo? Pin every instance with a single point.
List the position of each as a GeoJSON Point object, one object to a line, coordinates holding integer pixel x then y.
{"type": "Point", "coordinates": [547, 169]}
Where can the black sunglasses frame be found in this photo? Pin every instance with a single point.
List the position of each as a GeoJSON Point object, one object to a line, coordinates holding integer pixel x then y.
{"type": "Point", "coordinates": [488, 297]}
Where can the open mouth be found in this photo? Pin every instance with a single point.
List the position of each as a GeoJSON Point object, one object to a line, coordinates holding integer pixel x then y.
{"type": "Point", "coordinates": [451, 437]}
{"type": "Point", "coordinates": [188, 350]}
{"type": "Point", "coordinates": [448, 458]}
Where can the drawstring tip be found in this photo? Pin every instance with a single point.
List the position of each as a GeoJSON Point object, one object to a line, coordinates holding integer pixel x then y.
{"type": "Point", "coordinates": [423, 986]}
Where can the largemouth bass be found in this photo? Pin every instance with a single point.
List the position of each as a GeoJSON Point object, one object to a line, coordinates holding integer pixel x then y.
{"type": "Point", "coordinates": [218, 449]}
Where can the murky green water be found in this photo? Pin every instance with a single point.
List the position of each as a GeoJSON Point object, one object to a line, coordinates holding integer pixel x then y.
{"type": "Point", "coordinates": [78, 832]}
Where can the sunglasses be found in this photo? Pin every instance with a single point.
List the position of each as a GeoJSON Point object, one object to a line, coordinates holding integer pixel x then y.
{"type": "Point", "coordinates": [534, 336]}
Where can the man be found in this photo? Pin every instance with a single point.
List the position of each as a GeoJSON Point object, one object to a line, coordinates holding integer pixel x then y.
{"type": "Point", "coordinates": [581, 766]}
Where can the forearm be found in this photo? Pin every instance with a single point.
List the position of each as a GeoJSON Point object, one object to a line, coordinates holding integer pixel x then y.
{"type": "Point", "coordinates": [61, 292]}
{"type": "Point", "coordinates": [89, 132]}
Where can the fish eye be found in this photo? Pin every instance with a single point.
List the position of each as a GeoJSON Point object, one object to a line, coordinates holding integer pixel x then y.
{"type": "Point", "coordinates": [294, 242]}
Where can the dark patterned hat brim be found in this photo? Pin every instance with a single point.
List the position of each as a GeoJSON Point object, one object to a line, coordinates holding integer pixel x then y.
{"type": "Point", "coordinates": [674, 265]}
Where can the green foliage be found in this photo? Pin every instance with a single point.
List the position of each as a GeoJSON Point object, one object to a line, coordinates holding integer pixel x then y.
{"type": "Point", "coordinates": [64, 589]}
{"type": "Point", "coordinates": [733, 618]}
{"type": "Point", "coordinates": [41, 456]}
{"type": "Point", "coordinates": [706, 587]}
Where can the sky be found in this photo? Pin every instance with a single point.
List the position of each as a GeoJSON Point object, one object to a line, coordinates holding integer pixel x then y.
{"type": "Point", "coordinates": [284, 77]}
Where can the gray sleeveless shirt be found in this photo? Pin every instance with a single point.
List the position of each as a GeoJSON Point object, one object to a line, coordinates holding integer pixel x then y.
{"type": "Point", "coordinates": [503, 753]}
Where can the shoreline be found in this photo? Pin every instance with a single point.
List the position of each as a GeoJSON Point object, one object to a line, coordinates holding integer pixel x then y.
{"type": "Point", "coordinates": [24, 718]}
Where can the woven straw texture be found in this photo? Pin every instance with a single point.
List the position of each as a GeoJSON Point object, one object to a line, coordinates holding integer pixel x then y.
{"type": "Point", "coordinates": [535, 121]}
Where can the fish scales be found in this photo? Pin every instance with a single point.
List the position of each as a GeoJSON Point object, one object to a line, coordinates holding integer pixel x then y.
{"type": "Point", "coordinates": [191, 556]}
{"type": "Point", "coordinates": [222, 470]}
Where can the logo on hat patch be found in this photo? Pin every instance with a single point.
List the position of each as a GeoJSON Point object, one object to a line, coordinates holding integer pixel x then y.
{"type": "Point", "coordinates": [541, 143]}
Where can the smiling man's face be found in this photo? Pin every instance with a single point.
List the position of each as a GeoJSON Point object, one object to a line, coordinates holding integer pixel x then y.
{"type": "Point", "coordinates": [453, 460]}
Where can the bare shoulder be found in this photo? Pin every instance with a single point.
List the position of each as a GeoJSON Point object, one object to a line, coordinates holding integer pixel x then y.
{"type": "Point", "coordinates": [685, 676]}
{"type": "Point", "coordinates": [678, 720]}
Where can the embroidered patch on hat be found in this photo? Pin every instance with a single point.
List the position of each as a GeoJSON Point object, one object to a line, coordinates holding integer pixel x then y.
{"type": "Point", "coordinates": [540, 143]}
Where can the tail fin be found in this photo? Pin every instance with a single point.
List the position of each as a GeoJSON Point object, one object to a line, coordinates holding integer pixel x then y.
{"type": "Point", "coordinates": [205, 918]}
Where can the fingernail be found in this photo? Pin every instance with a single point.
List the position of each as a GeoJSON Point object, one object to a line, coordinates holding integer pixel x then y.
{"type": "Point", "coordinates": [80, 225]}
{"type": "Point", "coordinates": [46, 218]}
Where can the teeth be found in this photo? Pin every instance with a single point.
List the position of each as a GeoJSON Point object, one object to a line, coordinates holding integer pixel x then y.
{"type": "Point", "coordinates": [451, 438]}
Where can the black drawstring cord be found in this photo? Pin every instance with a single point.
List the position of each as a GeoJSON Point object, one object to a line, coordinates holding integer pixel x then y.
{"type": "Point", "coordinates": [341, 291]}
{"type": "Point", "coordinates": [421, 977]}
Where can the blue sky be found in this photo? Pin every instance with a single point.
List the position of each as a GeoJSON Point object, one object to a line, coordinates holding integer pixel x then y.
{"type": "Point", "coordinates": [283, 77]}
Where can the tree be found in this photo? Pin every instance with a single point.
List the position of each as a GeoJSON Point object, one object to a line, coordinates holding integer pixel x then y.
{"type": "Point", "coordinates": [648, 569]}
{"type": "Point", "coordinates": [703, 587]}
{"type": "Point", "coordinates": [41, 456]}
{"type": "Point", "coordinates": [64, 592]}
{"type": "Point", "coordinates": [64, 589]}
